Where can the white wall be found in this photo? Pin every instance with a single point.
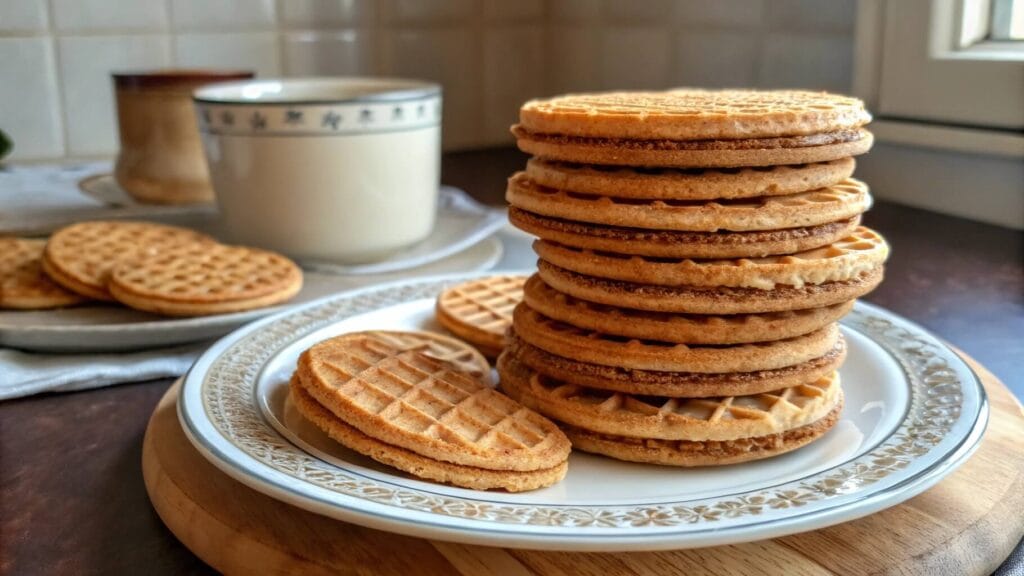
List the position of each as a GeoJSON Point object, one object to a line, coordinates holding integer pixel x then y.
{"type": "Point", "coordinates": [56, 55]}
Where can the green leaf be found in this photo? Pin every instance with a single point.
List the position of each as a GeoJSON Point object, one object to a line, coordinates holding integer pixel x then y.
{"type": "Point", "coordinates": [5, 144]}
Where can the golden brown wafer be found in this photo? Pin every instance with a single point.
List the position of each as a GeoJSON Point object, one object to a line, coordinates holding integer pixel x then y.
{"type": "Point", "coordinates": [681, 328]}
{"type": "Point", "coordinates": [82, 256]}
{"type": "Point", "coordinates": [698, 153]}
{"type": "Point", "coordinates": [480, 310]}
{"type": "Point", "coordinates": [464, 357]}
{"type": "Point", "coordinates": [710, 300]}
{"type": "Point", "coordinates": [849, 258]}
{"type": "Point", "coordinates": [687, 184]}
{"type": "Point", "coordinates": [674, 244]}
{"type": "Point", "coordinates": [199, 279]}
{"type": "Point", "coordinates": [693, 114]}
{"type": "Point", "coordinates": [840, 201]}
{"type": "Point", "coordinates": [593, 347]}
{"type": "Point", "coordinates": [415, 464]}
{"type": "Point", "coordinates": [686, 453]}
{"type": "Point", "coordinates": [663, 418]}
{"type": "Point", "coordinates": [23, 285]}
{"type": "Point", "coordinates": [674, 384]}
{"type": "Point", "coordinates": [428, 406]}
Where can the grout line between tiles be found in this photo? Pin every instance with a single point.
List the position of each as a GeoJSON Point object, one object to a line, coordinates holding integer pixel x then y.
{"type": "Point", "coordinates": [58, 72]}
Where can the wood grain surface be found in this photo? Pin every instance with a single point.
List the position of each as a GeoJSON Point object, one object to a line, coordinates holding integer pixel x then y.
{"type": "Point", "coordinates": [967, 524]}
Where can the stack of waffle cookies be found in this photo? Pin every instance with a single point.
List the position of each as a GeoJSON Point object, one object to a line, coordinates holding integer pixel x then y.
{"type": "Point", "coordinates": [696, 252]}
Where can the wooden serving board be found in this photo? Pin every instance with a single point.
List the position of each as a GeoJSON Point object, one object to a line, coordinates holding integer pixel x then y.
{"type": "Point", "coordinates": [967, 524]}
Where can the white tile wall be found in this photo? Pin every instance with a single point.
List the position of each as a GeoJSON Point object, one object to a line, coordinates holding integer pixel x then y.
{"type": "Point", "coordinates": [489, 55]}
{"type": "Point", "coordinates": [22, 16]}
{"type": "Point", "coordinates": [570, 55]}
{"type": "Point", "coordinates": [29, 99]}
{"type": "Point", "coordinates": [635, 58]}
{"type": "Point", "coordinates": [451, 57]}
{"type": "Point", "coordinates": [222, 14]}
{"type": "Point", "coordinates": [745, 14]}
{"type": "Point", "coordinates": [513, 73]}
{"type": "Point", "coordinates": [85, 66]}
{"type": "Point", "coordinates": [574, 11]}
{"type": "Point", "coordinates": [335, 53]}
{"type": "Point", "coordinates": [812, 15]}
{"type": "Point", "coordinates": [819, 61]}
{"type": "Point", "coordinates": [645, 12]}
{"type": "Point", "coordinates": [327, 13]}
{"type": "Point", "coordinates": [94, 15]}
{"type": "Point", "coordinates": [716, 59]}
{"type": "Point", "coordinates": [500, 11]}
{"type": "Point", "coordinates": [421, 12]}
{"type": "Point", "coordinates": [244, 50]}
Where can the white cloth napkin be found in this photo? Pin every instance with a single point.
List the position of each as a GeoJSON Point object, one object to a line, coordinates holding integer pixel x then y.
{"type": "Point", "coordinates": [26, 373]}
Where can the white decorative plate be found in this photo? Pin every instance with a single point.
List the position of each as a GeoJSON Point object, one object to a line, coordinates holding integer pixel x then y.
{"type": "Point", "coordinates": [461, 223]}
{"type": "Point", "coordinates": [102, 328]}
{"type": "Point", "coordinates": [914, 411]}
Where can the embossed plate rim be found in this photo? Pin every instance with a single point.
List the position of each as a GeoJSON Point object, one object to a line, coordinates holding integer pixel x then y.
{"type": "Point", "coordinates": [833, 499]}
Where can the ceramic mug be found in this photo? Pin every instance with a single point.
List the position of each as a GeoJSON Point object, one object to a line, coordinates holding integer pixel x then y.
{"type": "Point", "coordinates": [332, 169]}
{"type": "Point", "coordinates": [161, 159]}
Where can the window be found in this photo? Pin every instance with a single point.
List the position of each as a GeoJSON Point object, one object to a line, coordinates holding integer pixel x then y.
{"type": "Point", "coordinates": [1007, 20]}
{"type": "Point", "coordinates": [938, 61]}
{"type": "Point", "coordinates": [945, 82]}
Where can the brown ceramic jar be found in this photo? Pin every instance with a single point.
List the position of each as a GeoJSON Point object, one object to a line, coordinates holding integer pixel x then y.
{"type": "Point", "coordinates": [161, 159]}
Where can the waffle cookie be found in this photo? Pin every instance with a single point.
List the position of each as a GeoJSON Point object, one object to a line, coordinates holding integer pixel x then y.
{"type": "Point", "coordinates": [195, 279]}
{"type": "Point", "coordinates": [480, 311]}
{"type": "Point", "coordinates": [688, 114]}
{"type": "Point", "coordinates": [598, 348]}
{"type": "Point", "coordinates": [840, 201]}
{"type": "Point", "coordinates": [81, 257]}
{"type": "Point", "coordinates": [674, 384]}
{"type": "Point", "coordinates": [413, 463]}
{"type": "Point", "coordinates": [430, 407]}
{"type": "Point", "coordinates": [680, 431]}
{"type": "Point", "coordinates": [23, 285]}
{"type": "Point", "coordinates": [860, 252]}
{"type": "Point", "coordinates": [679, 328]}
{"type": "Point", "coordinates": [663, 418]}
{"type": "Point", "coordinates": [687, 184]}
{"type": "Point", "coordinates": [680, 244]}
{"type": "Point", "coordinates": [708, 300]}
{"type": "Point", "coordinates": [452, 350]}
{"type": "Point", "coordinates": [694, 128]}
{"type": "Point", "coordinates": [687, 453]}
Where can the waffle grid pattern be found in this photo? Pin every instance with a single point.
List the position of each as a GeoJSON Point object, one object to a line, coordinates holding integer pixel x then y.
{"type": "Point", "coordinates": [23, 284]}
{"type": "Point", "coordinates": [709, 418]}
{"type": "Point", "coordinates": [694, 114]}
{"type": "Point", "coordinates": [837, 202]}
{"type": "Point", "coordinates": [678, 327]}
{"type": "Point", "coordinates": [570, 341]}
{"type": "Point", "coordinates": [687, 183]}
{"type": "Point", "coordinates": [434, 345]}
{"type": "Point", "coordinates": [485, 304]}
{"type": "Point", "coordinates": [425, 396]}
{"type": "Point", "coordinates": [211, 271]}
{"type": "Point", "coordinates": [89, 251]}
{"type": "Point", "coordinates": [427, 405]}
{"type": "Point", "coordinates": [859, 252]}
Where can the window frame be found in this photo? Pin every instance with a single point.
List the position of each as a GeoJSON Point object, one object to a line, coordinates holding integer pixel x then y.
{"type": "Point", "coordinates": [945, 72]}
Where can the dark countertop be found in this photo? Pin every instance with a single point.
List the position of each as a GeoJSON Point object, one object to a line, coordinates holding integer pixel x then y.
{"type": "Point", "coordinates": [72, 499]}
